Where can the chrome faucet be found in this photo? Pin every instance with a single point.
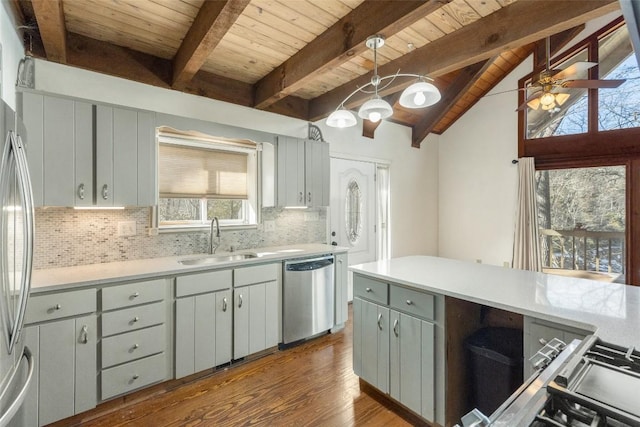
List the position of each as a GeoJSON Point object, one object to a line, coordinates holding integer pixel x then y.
{"type": "Point", "coordinates": [212, 247]}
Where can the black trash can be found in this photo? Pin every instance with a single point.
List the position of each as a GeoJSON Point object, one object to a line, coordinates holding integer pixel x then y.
{"type": "Point", "coordinates": [495, 366]}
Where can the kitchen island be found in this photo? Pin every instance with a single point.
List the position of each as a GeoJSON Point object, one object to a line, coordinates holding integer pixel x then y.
{"type": "Point", "coordinates": [564, 305]}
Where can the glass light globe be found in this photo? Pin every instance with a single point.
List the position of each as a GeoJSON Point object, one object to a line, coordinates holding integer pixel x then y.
{"type": "Point", "coordinates": [419, 99]}
{"type": "Point", "coordinates": [341, 119]}
{"type": "Point", "coordinates": [420, 94]}
{"type": "Point", "coordinates": [374, 116]}
{"type": "Point", "coordinates": [375, 109]}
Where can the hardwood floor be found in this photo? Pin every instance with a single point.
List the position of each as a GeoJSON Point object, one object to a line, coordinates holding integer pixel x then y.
{"type": "Point", "coordinates": [309, 385]}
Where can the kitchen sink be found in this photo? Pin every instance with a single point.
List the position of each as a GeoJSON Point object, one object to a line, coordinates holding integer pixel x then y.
{"type": "Point", "coordinates": [214, 259]}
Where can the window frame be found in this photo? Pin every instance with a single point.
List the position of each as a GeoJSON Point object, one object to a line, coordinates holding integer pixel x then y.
{"type": "Point", "coordinates": [251, 206]}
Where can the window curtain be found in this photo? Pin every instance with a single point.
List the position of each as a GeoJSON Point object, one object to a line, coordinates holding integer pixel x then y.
{"type": "Point", "coordinates": [526, 243]}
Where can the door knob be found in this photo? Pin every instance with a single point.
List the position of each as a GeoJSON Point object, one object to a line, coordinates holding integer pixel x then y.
{"type": "Point", "coordinates": [334, 243]}
{"type": "Point", "coordinates": [333, 234]}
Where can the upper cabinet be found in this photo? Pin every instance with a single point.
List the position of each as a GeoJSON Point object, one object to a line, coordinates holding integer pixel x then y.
{"type": "Point", "coordinates": [81, 154]}
{"type": "Point", "coordinates": [302, 172]}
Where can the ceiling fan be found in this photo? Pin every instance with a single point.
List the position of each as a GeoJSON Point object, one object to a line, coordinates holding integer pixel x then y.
{"type": "Point", "coordinates": [547, 87]}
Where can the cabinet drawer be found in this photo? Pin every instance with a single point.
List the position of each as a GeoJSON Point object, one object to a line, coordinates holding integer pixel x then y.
{"type": "Point", "coordinates": [133, 318]}
{"type": "Point", "coordinates": [257, 274]}
{"type": "Point", "coordinates": [130, 376]}
{"type": "Point", "coordinates": [370, 289]}
{"type": "Point", "coordinates": [413, 302]}
{"type": "Point", "coordinates": [42, 308]}
{"type": "Point", "coordinates": [131, 294]}
{"type": "Point", "coordinates": [202, 283]}
{"type": "Point", "coordinates": [133, 345]}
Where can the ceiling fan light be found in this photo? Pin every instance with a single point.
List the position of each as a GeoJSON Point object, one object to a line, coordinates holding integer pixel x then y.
{"type": "Point", "coordinates": [561, 98]}
{"type": "Point", "coordinates": [547, 107]}
{"type": "Point", "coordinates": [534, 104]}
{"type": "Point", "coordinates": [341, 119]}
{"type": "Point", "coordinates": [375, 109]}
{"type": "Point", "coordinates": [419, 95]}
{"type": "Point", "coordinates": [547, 99]}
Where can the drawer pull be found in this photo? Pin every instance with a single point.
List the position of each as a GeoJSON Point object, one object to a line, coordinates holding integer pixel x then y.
{"type": "Point", "coordinates": [240, 301]}
{"type": "Point", "coordinates": [135, 347]}
{"type": "Point", "coordinates": [57, 307]}
{"type": "Point", "coordinates": [84, 334]}
{"type": "Point", "coordinates": [542, 341]}
{"type": "Point", "coordinates": [135, 319]}
{"type": "Point", "coordinates": [395, 327]}
{"type": "Point", "coordinates": [135, 295]}
{"type": "Point", "coordinates": [81, 191]}
{"type": "Point", "coordinates": [409, 302]}
{"type": "Point", "coordinates": [380, 321]}
{"type": "Point", "coordinates": [367, 289]}
{"type": "Point", "coordinates": [224, 304]}
{"type": "Point", "coordinates": [135, 377]}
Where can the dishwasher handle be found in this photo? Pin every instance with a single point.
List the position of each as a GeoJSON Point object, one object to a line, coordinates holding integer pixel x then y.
{"type": "Point", "coordinates": [308, 264]}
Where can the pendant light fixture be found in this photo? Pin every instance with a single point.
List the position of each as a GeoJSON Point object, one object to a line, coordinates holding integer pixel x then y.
{"type": "Point", "coordinates": [418, 95]}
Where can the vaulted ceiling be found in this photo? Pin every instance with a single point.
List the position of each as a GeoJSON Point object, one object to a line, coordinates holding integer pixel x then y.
{"type": "Point", "coordinates": [301, 58]}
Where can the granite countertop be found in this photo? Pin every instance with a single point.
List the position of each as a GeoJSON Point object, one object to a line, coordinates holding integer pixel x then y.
{"type": "Point", "coordinates": [610, 310]}
{"type": "Point", "coordinates": [95, 274]}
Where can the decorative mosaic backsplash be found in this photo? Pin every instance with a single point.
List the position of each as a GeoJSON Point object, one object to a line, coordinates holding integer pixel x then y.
{"type": "Point", "coordinates": [67, 237]}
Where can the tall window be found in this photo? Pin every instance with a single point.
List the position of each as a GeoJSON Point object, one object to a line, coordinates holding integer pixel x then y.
{"type": "Point", "coordinates": [202, 178]}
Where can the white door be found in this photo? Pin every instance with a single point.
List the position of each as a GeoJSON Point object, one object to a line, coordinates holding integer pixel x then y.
{"type": "Point", "coordinates": [353, 201]}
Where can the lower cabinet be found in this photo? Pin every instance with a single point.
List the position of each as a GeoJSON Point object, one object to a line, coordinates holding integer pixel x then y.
{"type": "Point", "coordinates": [256, 309]}
{"type": "Point", "coordinates": [341, 289]}
{"type": "Point", "coordinates": [203, 332]}
{"type": "Point", "coordinates": [394, 334]}
{"type": "Point", "coordinates": [65, 378]}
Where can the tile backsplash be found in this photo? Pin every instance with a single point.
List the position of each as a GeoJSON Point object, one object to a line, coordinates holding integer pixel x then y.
{"type": "Point", "coordinates": [67, 237]}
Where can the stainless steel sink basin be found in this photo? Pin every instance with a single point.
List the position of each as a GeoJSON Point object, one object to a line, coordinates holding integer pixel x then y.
{"type": "Point", "coordinates": [214, 259]}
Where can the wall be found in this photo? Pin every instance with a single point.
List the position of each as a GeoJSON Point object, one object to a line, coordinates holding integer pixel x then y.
{"type": "Point", "coordinates": [477, 181]}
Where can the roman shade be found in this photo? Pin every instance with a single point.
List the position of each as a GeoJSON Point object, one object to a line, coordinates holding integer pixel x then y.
{"type": "Point", "coordinates": [197, 172]}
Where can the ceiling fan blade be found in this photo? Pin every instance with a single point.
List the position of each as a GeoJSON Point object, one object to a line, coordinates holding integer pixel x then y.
{"type": "Point", "coordinates": [574, 69]}
{"type": "Point", "coordinates": [593, 84]}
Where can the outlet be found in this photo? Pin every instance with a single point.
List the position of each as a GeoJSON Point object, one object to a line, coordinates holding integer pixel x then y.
{"type": "Point", "coordinates": [269, 226]}
{"type": "Point", "coordinates": [126, 228]}
{"type": "Point", "coordinates": [506, 264]}
{"type": "Point", "coordinates": [478, 261]}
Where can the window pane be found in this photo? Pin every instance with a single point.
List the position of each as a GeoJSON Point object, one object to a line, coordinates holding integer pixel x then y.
{"type": "Point", "coordinates": [178, 210]}
{"type": "Point", "coordinates": [581, 215]}
{"type": "Point", "coordinates": [567, 119]}
{"type": "Point", "coordinates": [618, 108]}
{"type": "Point", "coordinates": [225, 209]}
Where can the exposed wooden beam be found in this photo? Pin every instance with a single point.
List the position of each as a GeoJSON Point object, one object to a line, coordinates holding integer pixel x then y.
{"type": "Point", "coordinates": [556, 42]}
{"type": "Point", "coordinates": [456, 90]}
{"type": "Point", "coordinates": [102, 57]}
{"type": "Point", "coordinates": [369, 128]}
{"type": "Point", "coordinates": [211, 24]}
{"type": "Point", "coordinates": [50, 18]}
{"type": "Point", "coordinates": [339, 43]}
{"type": "Point", "coordinates": [507, 28]}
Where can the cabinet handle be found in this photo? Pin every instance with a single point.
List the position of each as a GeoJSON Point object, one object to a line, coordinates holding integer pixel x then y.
{"type": "Point", "coordinates": [57, 307]}
{"type": "Point", "coordinates": [81, 191]}
{"type": "Point", "coordinates": [135, 377]}
{"type": "Point", "coordinates": [135, 347]}
{"type": "Point", "coordinates": [105, 191]}
{"type": "Point", "coordinates": [239, 300]}
{"type": "Point", "coordinates": [135, 295]}
{"type": "Point", "coordinates": [409, 302]}
{"type": "Point", "coordinates": [380, 321]}
{"type": "Point", "coordinates": [395, 327]}
{"type": "Point", "coordinates": [367, 289]}
{"type": "Point", "coordinates": [224, 304]}
{"type": "Point", "coordinates": [542, 341]}
{"type": "Point", "coordinates": [135, 319]}
{"type": "Point", "coordinates": [339, 261]}
{"type": "Point", "coordinates": [309, 197]}
{"type": "Point", "coordinates": [84, 334]}
{"type": "Point", "coordinates": [301, 197]}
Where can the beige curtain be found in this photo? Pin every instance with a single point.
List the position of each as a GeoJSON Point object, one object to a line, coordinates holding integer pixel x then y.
{"type": "Point", "coordinates": [526, 243]}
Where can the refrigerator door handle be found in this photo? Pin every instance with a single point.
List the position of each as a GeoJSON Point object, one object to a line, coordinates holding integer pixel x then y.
{"type": "Point", "coordinates": [24, 181]}
{"type": "Point", "coordinates": [11, 410]}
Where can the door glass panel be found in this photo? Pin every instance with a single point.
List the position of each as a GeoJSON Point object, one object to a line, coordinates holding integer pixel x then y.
{"type": "Point", "coordinates": [618, 108]}
{"type": "Point", "coordinates": [353, 211]}
{"type": "Point", "coordinates": [581, 215]}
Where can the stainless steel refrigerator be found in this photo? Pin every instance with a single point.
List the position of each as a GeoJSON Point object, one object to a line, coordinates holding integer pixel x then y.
{"type": "Point", "coordinates": [16, 255]}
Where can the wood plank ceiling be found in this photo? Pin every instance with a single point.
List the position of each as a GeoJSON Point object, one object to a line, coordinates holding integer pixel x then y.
{"type": "Point", "coordinates": [301, 58]}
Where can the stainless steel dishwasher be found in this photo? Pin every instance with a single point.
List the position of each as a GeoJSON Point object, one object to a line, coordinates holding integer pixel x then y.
{"type": "Point", "coordinates": [308, 296]}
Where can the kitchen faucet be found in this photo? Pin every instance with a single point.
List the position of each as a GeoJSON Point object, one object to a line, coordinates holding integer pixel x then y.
{"type": "Point", "coordinates": [212, 247]}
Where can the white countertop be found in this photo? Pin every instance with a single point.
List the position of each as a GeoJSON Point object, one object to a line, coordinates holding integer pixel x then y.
{"type": "Point", "coordinates": [611, 310]}
{"type": "Point", "coordinates": [95, 274]}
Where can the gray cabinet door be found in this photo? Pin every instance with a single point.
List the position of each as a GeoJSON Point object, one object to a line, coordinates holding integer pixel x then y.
{"type": "Point", "coordinates": [56, 396]}
{"type": "Point", "coordinates": [428, 380]}
{"type": "Point", "coordinates": [125, 157]}
{"type": "Point", "coordinates": [290, 172]}
{"type": "Point", "coordinates": [185, 337]}
{"type": "Point", "coordinates": [272, 308]}
{"type": "Point", "coordinates": [204, 330]}
{"type": "Point", "coordinates": [375, 345]}
{"type": "Point", "coordinates": [58, 151]}
{"type": "Point", "coordinates": [241, 300]}
{"type": "Point", "coordinates": [317, 173]}
{"type": "Point", "coordinates": [223, 327]}
{"type": "Point", "coordinates": [83, 155]}
{"type": "Point", "coordinates": [147, 192]}
{"type": "Point", "coordinates": [32, 117]}
{"type": "Point", "coordinates": [85, 371]}
{"type": "Point", "coordinates": [341, 281]}
{"type": "Point", "coordinates": [104, 156]}
{"type": "Point", "coordinates": [257, 316]}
